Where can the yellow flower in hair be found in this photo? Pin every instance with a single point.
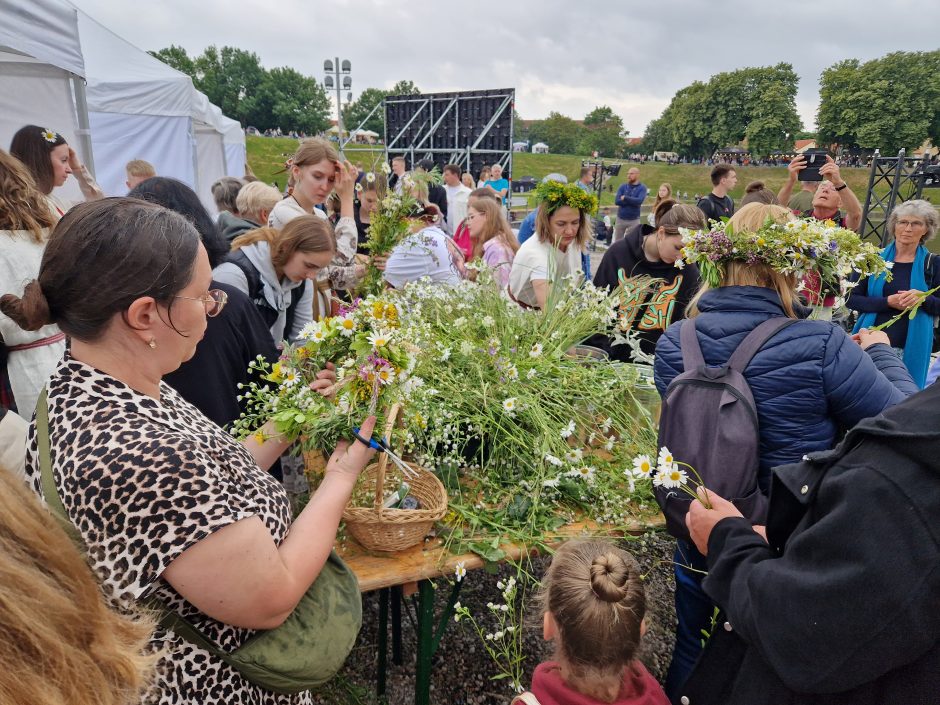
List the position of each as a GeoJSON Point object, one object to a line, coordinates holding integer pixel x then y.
{"type": "Point", "coordinates": [49, 135]}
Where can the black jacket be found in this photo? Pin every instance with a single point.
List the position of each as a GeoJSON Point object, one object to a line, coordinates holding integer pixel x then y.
{"type": "Point", "coordinates": [666, 303]}
{"type": "Point", "coordinates": [209, 380]}
{"type": "Point", "coordinates": [843, 606]}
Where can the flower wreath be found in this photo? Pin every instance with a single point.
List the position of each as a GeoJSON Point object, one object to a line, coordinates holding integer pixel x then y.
{"type": "Point", "coordinates": [556, 194]}
{"type": "Point", "coordinates": [796, 247]}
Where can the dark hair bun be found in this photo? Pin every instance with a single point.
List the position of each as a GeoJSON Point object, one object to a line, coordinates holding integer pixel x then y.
{"type": "Point", "coordinates": [29, 311]}
{"type": "Point", "coordinates": [609, 576]}
{"type": "Point", "coordinates": [754, 186]}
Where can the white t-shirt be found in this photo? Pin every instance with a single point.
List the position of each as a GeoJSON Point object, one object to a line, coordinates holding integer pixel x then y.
{"type": "Point", "coordinates": [457, 197]}
{"type": "Point", "coordinates": [533, 262]}
{"type": "Point", "coordinates": [427, 253]}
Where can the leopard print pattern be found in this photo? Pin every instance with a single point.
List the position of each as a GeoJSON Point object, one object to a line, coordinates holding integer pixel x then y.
{"type": "Point", "coordinates": [143, 480]}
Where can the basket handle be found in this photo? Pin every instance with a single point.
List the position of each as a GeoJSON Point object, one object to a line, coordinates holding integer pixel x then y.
{"type": "Point", "coordinates": [383, 459]}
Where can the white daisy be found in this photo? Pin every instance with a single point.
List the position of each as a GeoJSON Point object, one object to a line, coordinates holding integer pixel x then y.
{"type": "Point", "coordinates": [642, 466]}
{"type": "Point", "coordinates": [379, 339]}
{"type": "Point", "coordinates": [574, 455]}
{"type": "Point", "coordinates": [673, 476]}
{"type": "Point", "coordinates": [513, 372]}
{"type": "Point", "coordinates": [536, 350]}
{"type": "Point", "coordinates": [510, 405]}
{"type": "Point", "coordinates": [460, 573]}
{"type": "Point", "coordinates": [531, 374]}
{"type": "Point", "coordinates": [347, 326]}
{"type": "Point", "coordinates": [665, 459]}
{"type": "Point", "coordinates": [568, 430]}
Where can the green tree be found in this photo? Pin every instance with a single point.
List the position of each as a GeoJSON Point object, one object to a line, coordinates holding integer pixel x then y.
{"type": "Point", "coordinates": [354, 113]}
{"type": "Point", "coordinates": [559, 132]}
{"type": "Point", "coordinates": [177, 58]}
{"type": "Point", "coordinates": [291, 101]}
{"type": "Point", "coordinates": [227, 77]}
{"type": "Point", "coordinates": [603, 132]}
{"type": "Point", "coordinates": [886, 103]}
{"type": "Point", "coordinates": [404, 88]}
{"type": "Point", "coordinates": [757, 104]}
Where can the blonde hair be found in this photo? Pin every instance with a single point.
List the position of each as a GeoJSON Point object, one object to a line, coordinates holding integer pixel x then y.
{"type": "Point", "coordinates": [22, 204]}
{"type": "Point", "coordinates": [140, 169]}
{"type": "Point", "coordinates": [544, 229]}
{"type": "Point", "coordinates": [255, 197]}
{"type": "Point", "coordinates": [660, 199]}
{"type": "Point", "coordinates": [595, 595]}
{"type": "Point", "coordinates": [495, 225]}
{"type": "Point", "coordinates": [305, 233]}
{"type": "Point", "coordinates": [60, 644]}
{"type": "Point", "coordinates": [736, 273]}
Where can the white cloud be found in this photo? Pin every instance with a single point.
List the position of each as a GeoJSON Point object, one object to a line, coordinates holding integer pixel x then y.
{"type": "Point", "coordinates": [569, 57]}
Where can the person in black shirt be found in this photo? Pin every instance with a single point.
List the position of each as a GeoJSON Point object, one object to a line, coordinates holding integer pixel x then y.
{"type": "Point", "coordinates": [718, 204]}
{"type": "Point", "coordinates": [653, 252]}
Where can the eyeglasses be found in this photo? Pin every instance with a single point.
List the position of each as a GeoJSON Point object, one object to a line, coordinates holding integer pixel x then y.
{"type": "Point", "coordinates": [214, 301]}
{"type": "Point", "coordinates": [911, 223]}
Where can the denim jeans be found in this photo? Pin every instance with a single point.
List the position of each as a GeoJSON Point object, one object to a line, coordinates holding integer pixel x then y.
{"type": "Point", "coordinates": [586, 265]}
{"type": "Point", "coordinates": [694, 610]}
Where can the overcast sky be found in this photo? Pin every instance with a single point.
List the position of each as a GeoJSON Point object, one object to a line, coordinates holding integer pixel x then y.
{"type": "Point", "coordinates": [562, 55]}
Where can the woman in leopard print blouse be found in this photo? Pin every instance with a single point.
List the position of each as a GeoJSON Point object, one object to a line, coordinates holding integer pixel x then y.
{"type": "Point", "coordinates": [167, 503]}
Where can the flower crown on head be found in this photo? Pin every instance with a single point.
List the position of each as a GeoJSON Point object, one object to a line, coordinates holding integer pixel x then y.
{"type": "Point", "coordinates": [556, 194]}
{"type": "Point", "coordinates": [796, 247]}
{"type": "Point", "coordinates": [49, 135]}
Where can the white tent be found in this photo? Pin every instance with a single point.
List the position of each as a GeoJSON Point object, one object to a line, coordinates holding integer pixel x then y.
{"type": "Point", "coordinates": [41, 72]}
{"type": "Point", "coordinates": [233, 139]}
{"type": "Point", "coordinates": [140, 108]}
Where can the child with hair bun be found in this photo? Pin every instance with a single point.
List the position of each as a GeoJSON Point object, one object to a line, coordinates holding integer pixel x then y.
{"type": "Point", "coordinates": [593, 602]}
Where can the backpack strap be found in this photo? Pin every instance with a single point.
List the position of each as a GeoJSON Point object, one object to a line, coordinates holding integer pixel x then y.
{"type": "Point", "coordinates": [240, 260]}
{"type": "Point", "coordinates": [692, 357]}
{"type": "Point", "coordinates": [755, 340]}
{"type": "Point", "coordinates": [49, 491]}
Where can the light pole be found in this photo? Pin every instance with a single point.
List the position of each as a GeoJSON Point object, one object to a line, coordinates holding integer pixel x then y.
{"type": "Point", "coordinates": [337, 74]}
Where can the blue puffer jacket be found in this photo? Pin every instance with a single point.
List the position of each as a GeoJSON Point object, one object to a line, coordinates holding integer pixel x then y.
{"type": "Point", "coordinates": [807, 381]}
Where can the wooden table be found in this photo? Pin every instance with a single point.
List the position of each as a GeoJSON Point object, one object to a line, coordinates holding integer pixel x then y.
{"type": "Point", "coordinates": [419, 566]}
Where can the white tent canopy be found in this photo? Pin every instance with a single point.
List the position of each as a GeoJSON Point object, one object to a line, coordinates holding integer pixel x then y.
{"type": "Point", "coordinates": [137, 106]}
{"type": "Point", "coordinates": [140, 108]}
{"type": "Point", "coordinates": [41, 58]}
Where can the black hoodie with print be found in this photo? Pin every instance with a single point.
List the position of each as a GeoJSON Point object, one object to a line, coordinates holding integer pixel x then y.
{"type": "Point", "coordinates": [666, 303]}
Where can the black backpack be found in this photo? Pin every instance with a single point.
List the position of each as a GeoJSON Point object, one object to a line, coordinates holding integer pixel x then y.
{"type": "Point", "coordinates": [709, 420]}
{"type": "Point", "coordinates": [256, 293]}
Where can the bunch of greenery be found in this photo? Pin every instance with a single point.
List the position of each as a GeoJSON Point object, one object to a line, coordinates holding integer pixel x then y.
{"type": "Point", "coordinates": [527, 435]}
{"type": "Point", "coordinates": [374, 370]}
{"type": "Point", "coordinates": [393, 222]}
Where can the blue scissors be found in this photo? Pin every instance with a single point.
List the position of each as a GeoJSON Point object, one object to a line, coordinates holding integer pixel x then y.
{"type": "Point", "coordinates": [382, 446]}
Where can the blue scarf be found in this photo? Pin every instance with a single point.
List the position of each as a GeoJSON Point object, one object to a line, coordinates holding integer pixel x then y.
{"type": "Point", "coordinates": [920, 329]}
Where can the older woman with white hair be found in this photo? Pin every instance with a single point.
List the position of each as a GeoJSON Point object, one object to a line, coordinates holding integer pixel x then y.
{"type": "Point", "coordinates": [915, 271]}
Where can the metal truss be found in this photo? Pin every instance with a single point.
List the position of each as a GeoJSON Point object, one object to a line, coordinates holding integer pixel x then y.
{"type": "Point", "coordinates": [469, 129]}
{"type": "Point", "coordinates": [893, 180]}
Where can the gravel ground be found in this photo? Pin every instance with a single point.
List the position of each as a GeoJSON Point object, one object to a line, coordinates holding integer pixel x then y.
{"type": "Point", "coordinates": [462, 668]}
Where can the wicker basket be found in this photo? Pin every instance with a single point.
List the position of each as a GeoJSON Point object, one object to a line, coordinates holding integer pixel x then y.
{"type": "Point", "coordinates": [380, 529]}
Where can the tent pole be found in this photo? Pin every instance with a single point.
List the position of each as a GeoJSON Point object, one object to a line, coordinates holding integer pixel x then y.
{"type": "Point", "coordinates": [84, 126]}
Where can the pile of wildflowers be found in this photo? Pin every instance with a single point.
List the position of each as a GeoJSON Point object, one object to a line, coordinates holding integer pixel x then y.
{"type": "Point", "coordinates": [526, 436]}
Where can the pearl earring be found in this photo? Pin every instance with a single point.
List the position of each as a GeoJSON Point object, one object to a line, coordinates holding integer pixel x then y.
{"type": "Point", "coordinates": [152, 344]}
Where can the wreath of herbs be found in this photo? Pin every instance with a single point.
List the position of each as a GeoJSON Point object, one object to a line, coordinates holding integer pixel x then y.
{"type": "Point", "coordinates": [798, 247]}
